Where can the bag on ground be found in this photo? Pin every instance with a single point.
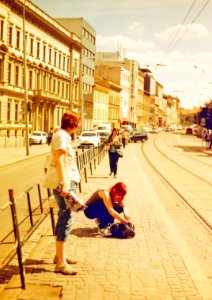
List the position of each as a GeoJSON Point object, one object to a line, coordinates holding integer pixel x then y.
{"type": "Point", "coordinates": [120, 230]}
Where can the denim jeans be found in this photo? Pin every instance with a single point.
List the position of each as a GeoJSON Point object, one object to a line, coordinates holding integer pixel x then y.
{"type": "Point", "coordinates": [113, 159]}
{"type": "Point", "coordinates": [64, 222]}
{"type": "Point", "coordinates": [98, 210]}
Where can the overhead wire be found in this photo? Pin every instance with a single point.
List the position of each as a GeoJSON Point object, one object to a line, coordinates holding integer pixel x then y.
{"type": "Point", "coordinates": [179, 28]}
{"type": "Point", "coordinates": [171, 46]}
{"type": "Point", "coordinates": [192, 22]}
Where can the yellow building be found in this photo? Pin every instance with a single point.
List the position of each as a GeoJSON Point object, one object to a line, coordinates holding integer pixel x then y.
{"type": "Point", "coordinates": [100, 101]}
{"type": "Point", "coordinates": [52, 57]}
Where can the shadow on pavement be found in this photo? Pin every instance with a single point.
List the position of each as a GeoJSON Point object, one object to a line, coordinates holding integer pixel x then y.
{"type": "Point", "coordinates": [190, 148]}
{"type": "Point", "coordinates": [86, 232]}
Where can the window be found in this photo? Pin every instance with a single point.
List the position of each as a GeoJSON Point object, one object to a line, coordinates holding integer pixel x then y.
{"type": "Point", "coordinates": [1, 70]}
{"type": "Point", "coordinates": [59, 62]}
{"type": "Point", "coordinates": [44, 52]}
{"type": "Point", "coordinates": [38, 49]}
{"type": "Point", "coordinates": [9, 73]}
{"type": "Point", "coordinates": [38, 80]}
{"type": "Point", "coordinates": [68, 64]}
{"type": "Point", "coordinates": [75, 67]}
{"type": "Point", "coordinates": [64, 62]}
{"type": "Point", "coordinates": [67, 91]}
{"type": "Point", "coordinates": [54, 85]}
{"type": "Point", "coordinates": [63, 89]}
{"type": "Point", "coordinates": [44, 82]}
{"type": "Point", "coordinates": [50, 56]}
{"type": "Point", "coordinates": [31, 46]}
{"type": "Point", "coordinates": [8, 110]}
{"type": "Point", "coordinates": [16, 75]}
{"type": "Point", "coordinates": [30, 79]}
{"type": "Point", "coordinates": [10, 35]}
{"type": "Point", "coordinates": [50, 84]}
{"type": "Point", "coordinates": [1, 29]}
{"type": "Point", "coordinates": [18, 34]}
{"type": "Point", "coordinates": [16, 111]}
{"type": "Point", "coordinates": [55, 58]}
{"type": "Point", "coordinates": [58, 87]}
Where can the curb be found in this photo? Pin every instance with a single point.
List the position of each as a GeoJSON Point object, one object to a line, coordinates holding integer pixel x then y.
{"type": "Point", "coordinates": [22, 159]}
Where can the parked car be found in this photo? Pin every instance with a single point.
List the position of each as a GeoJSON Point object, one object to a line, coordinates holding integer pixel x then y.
{"type": "Point", "coordinates": [104, 136]}
{"type": "Point", "coordinates": [89, 139]}
{"type": "Point", "coordinates": [154, 130]}
{"type": "Point", "coordinates": [38, 137]}
{"type": "Point", "coordinates": [139, 136]}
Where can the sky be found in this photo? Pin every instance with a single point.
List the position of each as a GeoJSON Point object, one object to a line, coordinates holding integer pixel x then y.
{"type": "Point", "coordinates": [173, 38]}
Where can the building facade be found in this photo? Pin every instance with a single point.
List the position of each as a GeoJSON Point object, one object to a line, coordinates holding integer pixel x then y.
{"type": "Point", "coordinates": [87, 35]}
{"type": "Point", "coordinates": [36, 71]}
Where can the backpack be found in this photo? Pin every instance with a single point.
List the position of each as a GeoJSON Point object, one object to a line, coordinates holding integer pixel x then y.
{"type": "Point", "coordinates": [120, 230]}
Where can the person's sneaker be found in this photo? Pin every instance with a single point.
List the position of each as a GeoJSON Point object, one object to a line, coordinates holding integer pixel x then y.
{"type": "Point", "coordinates": [68, 260]}
{"type": "Point", "coordinates": [65, 269]}
{"type": "Point", "coordinates": [106, 231]}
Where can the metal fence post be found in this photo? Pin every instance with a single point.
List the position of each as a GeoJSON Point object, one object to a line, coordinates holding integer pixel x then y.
{"type": "Point", "coordinates": [51, 212]}
{"type": "Point", "coordinates": [40, 198]}
{"type": "Point", "coordinates": [17, 237]}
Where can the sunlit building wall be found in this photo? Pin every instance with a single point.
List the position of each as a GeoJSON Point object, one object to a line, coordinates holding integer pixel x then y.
{"type": "Point", "coordinates": [87, 35]}
{"type": "Point", "coordinates": [51, 54]}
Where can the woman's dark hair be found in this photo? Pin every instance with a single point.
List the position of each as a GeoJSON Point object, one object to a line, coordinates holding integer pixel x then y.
{"type": "Point", "coordinates": [70, 120]}
{"type": "Point", "coordinates": [119, 189]}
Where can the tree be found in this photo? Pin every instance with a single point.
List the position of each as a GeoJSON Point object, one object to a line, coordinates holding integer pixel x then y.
{"type": "Point", "coordinates": [206, 113]}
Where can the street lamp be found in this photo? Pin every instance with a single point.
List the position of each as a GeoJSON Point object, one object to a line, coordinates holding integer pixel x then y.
{"type": "Point", "coordinates": [25, 86]}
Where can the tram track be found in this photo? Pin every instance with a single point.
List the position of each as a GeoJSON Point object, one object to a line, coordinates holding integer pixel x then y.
{"type": "Point", "coordinates": [172, 170]}
{"type": "Point", "coordinates": [178, 161]}
{"type": "Point", "coordinates": [176, 149]}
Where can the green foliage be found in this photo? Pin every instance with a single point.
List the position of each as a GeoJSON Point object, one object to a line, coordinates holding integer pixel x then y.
{"type": "Point", "coordinates": [206, 113]}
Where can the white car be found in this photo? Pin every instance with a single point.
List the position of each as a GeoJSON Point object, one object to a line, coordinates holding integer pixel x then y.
{"type": "Point", "coordinates": [38, 137]}
{"type": "Point", "coordinates": [89, 138]}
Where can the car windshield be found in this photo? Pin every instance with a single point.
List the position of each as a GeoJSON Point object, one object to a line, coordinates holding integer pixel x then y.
{"type": "Point", "coordinates": [88, 134]}
{"type": "Point", "coordinates": [37, 133]}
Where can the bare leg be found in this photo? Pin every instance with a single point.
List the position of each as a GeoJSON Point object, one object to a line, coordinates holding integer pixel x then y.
{"type": "Point", "coordinates": [60, 252]}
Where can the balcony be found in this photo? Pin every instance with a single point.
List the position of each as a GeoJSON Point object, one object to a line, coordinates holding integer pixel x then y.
{"type": "Point", "coordinates": [40, 95]}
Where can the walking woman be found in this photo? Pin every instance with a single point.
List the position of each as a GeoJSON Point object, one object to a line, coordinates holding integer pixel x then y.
{"type": "Point", "coordinates": [114, 143]}
{"type": "Point", "coordinates": [63, 159]}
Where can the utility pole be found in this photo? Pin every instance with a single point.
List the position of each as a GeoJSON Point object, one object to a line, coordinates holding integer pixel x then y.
{"type": "Point", "coordinates": [25, 86]}
{"type": "Point", "coordinates": [81, 93]}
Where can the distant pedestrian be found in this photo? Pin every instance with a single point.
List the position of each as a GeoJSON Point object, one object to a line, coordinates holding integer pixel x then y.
{"type": "Point", "coordinates": [124, 137]}
{"type": "Point", "coordinates": [49, 136]}
{"type": "Point", "coordinates": [107, 204]}
{"type": "Point", "coordinates": [114, 143]}
{"type": "Point", "coordinates": [207, 139]}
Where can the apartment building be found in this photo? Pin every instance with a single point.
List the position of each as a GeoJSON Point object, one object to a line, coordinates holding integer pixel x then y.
{"type": "Point", "coordinates": [120, 76]}
{"type": "Point", "coordinates": [100, 101]}
{"type": "Point", "coordinates": [48, 55]}
{"type": "Point", "coordinates": [140, 120]}
{"type": "Point", "coordinates": [128, 102]}
{"type": "Point", "coordinates": [87, 35]}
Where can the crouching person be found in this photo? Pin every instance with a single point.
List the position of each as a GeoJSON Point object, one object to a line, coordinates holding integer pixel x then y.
{"type": "Point", "coordinates": [106, 205]}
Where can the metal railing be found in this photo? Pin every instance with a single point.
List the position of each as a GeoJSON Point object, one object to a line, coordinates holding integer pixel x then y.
{"type": "Point", "coordinates": [86, 161]}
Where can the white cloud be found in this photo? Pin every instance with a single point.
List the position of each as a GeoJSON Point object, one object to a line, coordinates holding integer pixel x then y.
{"type": "Point", "coordinates": [110, 43]}
{"type": "Point", "coordinates": [136, 28]}
{"type": "Point", "coordinates": [191, 31]}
